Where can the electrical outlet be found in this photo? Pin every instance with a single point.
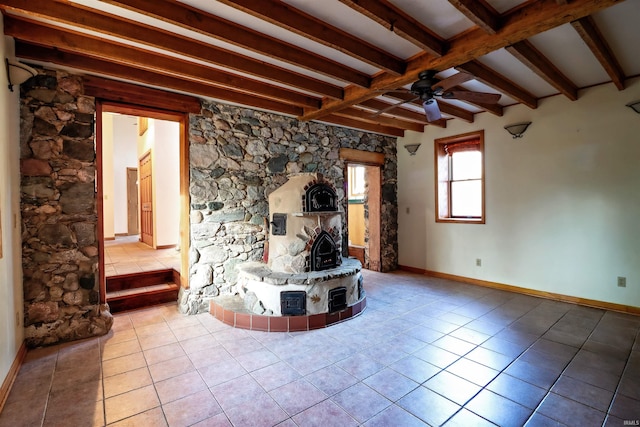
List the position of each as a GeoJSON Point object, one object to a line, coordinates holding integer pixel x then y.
{"type": "Point", "coordinates": [407, 209]}
{"type": "Point", "coordinates": [622, 282]}
{"type": "Point", "coordinates": [478, 262]}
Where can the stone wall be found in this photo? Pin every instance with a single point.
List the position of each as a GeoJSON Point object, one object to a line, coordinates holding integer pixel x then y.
{"type": "Point", "coordinates": [58, 207]}
{"type": "Point", "coordinates": [237, 158]}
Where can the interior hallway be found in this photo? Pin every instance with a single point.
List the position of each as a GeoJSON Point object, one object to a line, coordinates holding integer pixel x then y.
{"type": "Point", "coordinates": [425, 352]}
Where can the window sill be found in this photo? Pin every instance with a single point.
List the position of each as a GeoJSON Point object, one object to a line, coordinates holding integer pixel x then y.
{"type": "Point", "coordinates": [461, 220]}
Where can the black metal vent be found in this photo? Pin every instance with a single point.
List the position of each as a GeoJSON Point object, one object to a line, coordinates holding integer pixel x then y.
{"type": "Point", "coordinates": [293, 303]}
{"type": "Point", "coordinates": [337, 299]}
{"type": "Point", "coordinates": [324, 253]}
{"type": "Point", "coordinates": [279, 224]}
{"type": "Point", "coordinates": [321, 198]}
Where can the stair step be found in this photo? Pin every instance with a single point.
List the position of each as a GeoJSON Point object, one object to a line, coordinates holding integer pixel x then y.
{"type": "Point", "coordinates": [138, 290]}
{"type": "Point", "coordinates": [141, 280]}
{"type": "Point", "coordinates": [131, 299]}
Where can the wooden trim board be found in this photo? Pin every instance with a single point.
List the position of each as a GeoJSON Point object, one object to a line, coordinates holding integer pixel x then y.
{"type": "Point", "coordinates": [12, 374]}
{"type": "Point", "coordinates": [629, 309]}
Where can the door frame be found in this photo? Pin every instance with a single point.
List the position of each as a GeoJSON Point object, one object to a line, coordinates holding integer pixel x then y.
{"type": "Point", "coordinates": [373, 163]}
{"type": "Point", "coordinates": [131, 208]}
{"type": "Point", "coordinates": [154, 113]}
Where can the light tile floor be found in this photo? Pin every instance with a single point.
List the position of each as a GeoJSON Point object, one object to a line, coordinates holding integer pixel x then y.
{"type": "Point", "coordinates": [425, 352]}
{"type": "Point", "coordinates": [126, 255]}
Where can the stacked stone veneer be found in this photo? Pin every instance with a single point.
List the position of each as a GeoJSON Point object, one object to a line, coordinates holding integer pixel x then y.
{"type": "Point", "coordinates": [237, 158]}
{"type": "Point", "coordinates": [58, 207]}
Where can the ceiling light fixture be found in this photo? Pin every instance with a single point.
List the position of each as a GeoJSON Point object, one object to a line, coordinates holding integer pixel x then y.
{"type": "Point", "coordinates": [517, 129]}
{"type": "Point", "coordinates": [635, 106]}
{"type": "Point", "coordinates": [412, 148]}
{"type": "Point", "coordinates": [18, 73]}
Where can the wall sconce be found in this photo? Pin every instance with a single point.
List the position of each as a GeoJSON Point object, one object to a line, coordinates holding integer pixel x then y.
{"type": "Point", "coordinates": [18, 73]}
{"type": "Point", "coordinates": [412, 148]}
{"type": "Point", "coordinates": [517, 129]}
{"type": "Point", "coordinates": [635, 106]}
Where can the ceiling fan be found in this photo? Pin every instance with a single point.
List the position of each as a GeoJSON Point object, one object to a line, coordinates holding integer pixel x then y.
{"type": "Point", "coordinates": [427, 87]}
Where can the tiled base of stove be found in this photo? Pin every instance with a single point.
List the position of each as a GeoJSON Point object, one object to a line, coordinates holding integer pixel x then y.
{"type": "Point", "coordinates": [231, 310]}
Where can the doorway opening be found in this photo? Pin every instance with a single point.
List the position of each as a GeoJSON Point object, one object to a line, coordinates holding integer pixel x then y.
{"type": "Point", "coordinates": [364, 205]}
{"type": "Point", "coordinates": [140, 212]}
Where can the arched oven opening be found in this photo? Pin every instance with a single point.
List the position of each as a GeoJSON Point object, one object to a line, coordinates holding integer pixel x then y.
{"type": "Point", "coordinates": [324, 253]}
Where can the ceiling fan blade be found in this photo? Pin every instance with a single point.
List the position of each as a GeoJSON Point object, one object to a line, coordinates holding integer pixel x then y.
{"type": "Point", "coordinates": [390, 107]}
{"type": "Point", "coordinates": [454, 80]}
{"type": "Point", "coordinates": [432, 110]}
{"type": "Point", "coordinates": [483, 97]}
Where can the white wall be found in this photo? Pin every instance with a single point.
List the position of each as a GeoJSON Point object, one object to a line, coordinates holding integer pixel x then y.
{"type": "Point", "coordinates": [125, 137]}
{"type": "Point", "coordinates": [107, 176]}
{"type": "Point", "coordinates": [166, 175]}
{"type": "Point", "coordinates": [562, 203]}
{"type": "Point", "coordinates": [11, 312]}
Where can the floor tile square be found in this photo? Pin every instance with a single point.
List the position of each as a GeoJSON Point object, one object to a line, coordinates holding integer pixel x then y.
{"type": "Point", "coordinates": [517, 390]}
{"type": "Point", "coordinates": [326, 413]}
{"type": "Point", "coordinates": [260, 412]}
{"type": "Point", "coordinates": [452, 387]}
{"type": "Point", "coordinates": [428, 406]}
{"type": "Point", "coordinates": [297, 396]}
{"type": "Point", "coordinates": [331, 380]}
{"type": "Point", "coordinates": [275, 375]}
{"type": "Point", "coordinates": [498, 409]}
{"type": "Point", "coordinates": [584, 393]}
{"type": "Point", "coordinates": [472, 371]}
{"type": "Point", "coordinates": [128, 404]}
{"type": "Point", "coordinates": [180, 386]}
{"type": "Point", "coordinates": [361, 402]}
{"type": "Point", "coordinates": [191, 409]}
{"type": "Point", "coordinates": [570, 412]}
{"type": "Point", "coordinates": [391, 384]}
{"type": "Point", "coordinates": [395, 416]}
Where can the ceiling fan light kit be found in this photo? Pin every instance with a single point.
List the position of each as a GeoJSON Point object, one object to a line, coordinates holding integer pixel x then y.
{"type": "Point", "coordinates": [18, 73]}
{"type": "Point", "coordinates": [428, 86]}
{"type": "Point", "coordinates": [517, 129]}
{"type": "Point", "coordinates": [635, 106]}
{"type": "Point", "coordinates": [412, 148]}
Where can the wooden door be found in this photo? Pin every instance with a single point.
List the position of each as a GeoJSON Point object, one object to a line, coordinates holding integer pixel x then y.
{"type": "Point", "coordinates": [132, 202]}
{"type": "Point", "coordinates": [146, 200]}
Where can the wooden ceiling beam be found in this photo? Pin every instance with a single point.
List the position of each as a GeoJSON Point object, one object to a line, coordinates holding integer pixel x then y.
{"type": "Point", "coordinates": [588, 30]}
{"type": "Point", "coordinates": [368, 116]}
{"type": "Point", "coordinates": [209, 25]}
{"type": "Point", "coordinates": [499, 82]}
{"type": "Point", "coordinates": [481, 13]}
{"type": "Point", "coordinates": [66, 13]}
{"type": "Point", "coordinates": [286, 16]}
{"type": "Point", "coordinates": [334, 119]}
{"type": "Point", "coordinates": [519, 24]}
{"type": "Point", "coordinates": [394, 19]}
{"type": "Point", "coordinates": [33, 52]}
{"type": "Point", "coordinates": [526, 53]}
{"type": "Point", "coordinates": [98, 48]}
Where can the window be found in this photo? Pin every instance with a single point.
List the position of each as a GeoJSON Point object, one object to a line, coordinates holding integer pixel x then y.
{"type": "Point", "coordinates": [459, 169]}
{"type": "Point", "coordinates": [356, 181]}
